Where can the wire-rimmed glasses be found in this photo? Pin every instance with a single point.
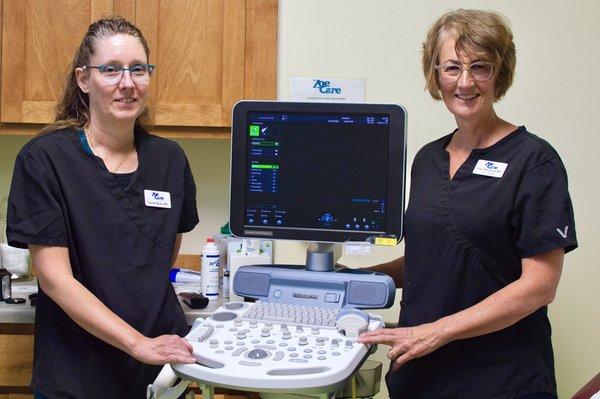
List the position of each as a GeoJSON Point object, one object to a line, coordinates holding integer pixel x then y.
{"type": "Point", "coordinates": [112, 74]}
{"type": "Point", "coordinates": [479, 70]}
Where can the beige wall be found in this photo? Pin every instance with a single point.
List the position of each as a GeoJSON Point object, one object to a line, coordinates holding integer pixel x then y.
{"type": "Point", "coordinates": [554, 95]}
{"type": "Point", "coordinates": [9, 147]}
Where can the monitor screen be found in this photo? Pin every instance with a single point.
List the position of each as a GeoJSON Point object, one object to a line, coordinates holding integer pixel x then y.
{"type": "Point", "coordinates": [317, 172]}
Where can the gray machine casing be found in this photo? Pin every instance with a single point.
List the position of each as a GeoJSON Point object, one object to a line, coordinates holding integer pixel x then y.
{"type": "Point", "coordinates": [292, 284]}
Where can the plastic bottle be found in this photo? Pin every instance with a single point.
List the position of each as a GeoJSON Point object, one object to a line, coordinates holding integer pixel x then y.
{"type": "Point", "coordinates": [225, 289]}
{"type": "Point", "coordinates": [210, 270]}
{"type": "Point", "coordinates": [185, 276]}
{"type": "Point", "coordinates": [5, 284]}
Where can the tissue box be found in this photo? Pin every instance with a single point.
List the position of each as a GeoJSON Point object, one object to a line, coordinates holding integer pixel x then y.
{"type": "Point", "coordinates": [229, 245]}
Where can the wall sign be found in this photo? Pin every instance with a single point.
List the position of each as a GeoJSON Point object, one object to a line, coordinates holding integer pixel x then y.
{"type": "Point", "coordinates": [327, 89]}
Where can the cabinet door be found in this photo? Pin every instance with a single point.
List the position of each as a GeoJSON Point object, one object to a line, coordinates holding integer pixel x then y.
{"type": "Point", "coordinates": [39, 39]}
{"type": "Point", "coordinates": [209, 55]}
{"type": "Point", "coordinates": [16, 361]}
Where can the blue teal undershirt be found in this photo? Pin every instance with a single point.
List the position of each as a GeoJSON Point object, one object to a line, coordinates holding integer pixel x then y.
{"type": "Point", "coordinates": [123, 178]}
{"type": "Point", "coordinates": [84, 143]}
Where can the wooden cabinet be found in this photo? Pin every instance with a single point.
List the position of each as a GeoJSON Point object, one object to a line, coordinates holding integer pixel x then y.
{"type": "Point", "coordinates": [16, 360]}
{"type": "Point", "coordinates": [209, 55]}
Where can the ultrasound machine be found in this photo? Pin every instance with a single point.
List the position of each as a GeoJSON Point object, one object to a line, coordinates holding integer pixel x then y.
{"type": "Point", "coordinates": [323, 173]}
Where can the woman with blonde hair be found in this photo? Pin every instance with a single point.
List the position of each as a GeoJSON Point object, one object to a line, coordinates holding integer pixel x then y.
{"type": "Point", "coordinates": [487, 225]}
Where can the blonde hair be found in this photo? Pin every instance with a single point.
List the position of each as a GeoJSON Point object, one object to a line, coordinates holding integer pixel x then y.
{"type": "Point", "coordinates": [484, 33]}
{"type": "Point", "coordinates": [72, 110]}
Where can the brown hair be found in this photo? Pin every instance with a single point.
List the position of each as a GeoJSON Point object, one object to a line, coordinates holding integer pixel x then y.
{"type": "Point", "coordinates": [485, 33]}
{"type": "Point", "coordinates": [72, 109]}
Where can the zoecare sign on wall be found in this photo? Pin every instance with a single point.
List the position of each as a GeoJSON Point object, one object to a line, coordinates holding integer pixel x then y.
{"type": "Point", "coordinates": [327, 89]}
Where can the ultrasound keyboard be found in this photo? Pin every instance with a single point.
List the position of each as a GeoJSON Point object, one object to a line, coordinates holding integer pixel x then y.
{"type": "Point", "coordinates": [235, 351]}
{"type": "Point", "coordinates": [292, 314]}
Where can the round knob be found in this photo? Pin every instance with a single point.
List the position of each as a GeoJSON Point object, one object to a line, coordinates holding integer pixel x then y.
{"type": "Point", "coordinates": [257, 354]}
{"type": "Point", "coordinates": [303, 341]}
{"type": "Point", "coordinates": [352, 322]}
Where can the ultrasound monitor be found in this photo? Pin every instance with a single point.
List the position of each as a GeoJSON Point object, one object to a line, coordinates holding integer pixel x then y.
{"type": "Point", "coordinates": [318, 172]}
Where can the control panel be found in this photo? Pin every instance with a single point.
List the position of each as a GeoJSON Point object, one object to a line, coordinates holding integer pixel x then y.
{"type": "Point", "coordinates": [266, 350]}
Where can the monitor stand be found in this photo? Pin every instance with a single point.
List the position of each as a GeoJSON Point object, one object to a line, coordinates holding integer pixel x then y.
{"type": "Point", "coordinates": [321, 257]}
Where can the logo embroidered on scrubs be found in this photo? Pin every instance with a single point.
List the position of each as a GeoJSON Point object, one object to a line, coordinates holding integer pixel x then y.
{"type": "Point", "coordinates": [490, 168]}
{"type": "Point", "coordinates": [157, 199]}
{"type": "Point", "coordinates": [563, 233]}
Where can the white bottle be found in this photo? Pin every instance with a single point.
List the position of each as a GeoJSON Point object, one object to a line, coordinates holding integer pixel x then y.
{"type": "Point", "coordinates": [210, 270]}
{"type": "Point", "coordinates": [225, 288]}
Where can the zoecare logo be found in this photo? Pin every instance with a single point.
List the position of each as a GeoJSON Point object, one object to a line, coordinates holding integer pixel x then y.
{"type": "Point", "coordinates": [491, 165]}
{"type": "Point", "coordinates": [157, 196]}
{"type": "Point", "coordinates": [324, 86]}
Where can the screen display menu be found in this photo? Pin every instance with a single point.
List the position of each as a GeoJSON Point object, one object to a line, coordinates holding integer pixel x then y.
{"type": "Point", "coordinates": [317, 171]}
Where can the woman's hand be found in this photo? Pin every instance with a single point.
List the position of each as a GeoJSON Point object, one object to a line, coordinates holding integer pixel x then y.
{"type": "Point", "coordinates": [162, 350]}
{"type": "Point", "coordinates": [406, 343]}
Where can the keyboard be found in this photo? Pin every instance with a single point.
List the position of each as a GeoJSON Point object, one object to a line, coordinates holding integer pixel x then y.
{"type": "Point", "coordinates": [257, 347]}
{"type": "Point", "coordinates": [308, 316]}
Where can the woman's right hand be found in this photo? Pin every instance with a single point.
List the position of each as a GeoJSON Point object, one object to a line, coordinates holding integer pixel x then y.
{"type": "Point", "coordinates": [162, 350]}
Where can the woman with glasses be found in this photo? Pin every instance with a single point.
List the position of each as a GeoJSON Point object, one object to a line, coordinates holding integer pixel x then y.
{"type": "Point", "coordinates": [102, 205]}
{"type": "Point", "coordinates": [488, 223]}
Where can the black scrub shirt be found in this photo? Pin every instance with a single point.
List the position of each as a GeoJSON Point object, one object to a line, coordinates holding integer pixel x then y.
{"type": "Point", "coordinates": [119, 248]}
{"type": "Point", "coordinates": [465, 239]}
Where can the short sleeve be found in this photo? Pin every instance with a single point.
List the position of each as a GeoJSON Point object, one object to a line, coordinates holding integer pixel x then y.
{"type": "Point", "coordinates": [543, 214]}
{"type": "Point", "coordinates": [34, 214]}
{"type": "Point", "coordinates": [189, 212]}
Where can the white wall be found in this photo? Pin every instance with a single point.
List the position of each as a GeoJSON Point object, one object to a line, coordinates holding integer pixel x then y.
{"type": "Point", "coordinates": [554, 95]}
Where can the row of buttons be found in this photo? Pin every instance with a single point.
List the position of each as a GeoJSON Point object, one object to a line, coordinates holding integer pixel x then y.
{"type": "Point", "coordinates": [262, 352]}
{"type": "Point", "coordinates": [266, 331]}
{"type": "Point", "coordinates": [213, 344]}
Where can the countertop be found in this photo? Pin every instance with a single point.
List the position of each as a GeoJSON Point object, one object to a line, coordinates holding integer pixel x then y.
{"type": "Point", "coordinates": [25, 313]}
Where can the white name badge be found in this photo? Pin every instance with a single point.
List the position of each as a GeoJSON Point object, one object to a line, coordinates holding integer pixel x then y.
{"type": "Point", "coordinates": [490, 168]}
{"type": "Point", "coordinates": [157, 199]}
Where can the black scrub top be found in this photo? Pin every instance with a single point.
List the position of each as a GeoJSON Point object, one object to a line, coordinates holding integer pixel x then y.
{"type": "Point", "coordinates": [465, 239]}
{"type": "Point", "coordinates": [119, 248]}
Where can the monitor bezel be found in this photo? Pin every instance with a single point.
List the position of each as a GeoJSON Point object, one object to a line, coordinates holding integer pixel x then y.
{"type": "Point", "coordinates": [396, 167]}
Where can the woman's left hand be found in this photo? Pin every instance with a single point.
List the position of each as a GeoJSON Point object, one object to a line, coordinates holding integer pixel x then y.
{"type": "Point", "coordinates": [406, 343]}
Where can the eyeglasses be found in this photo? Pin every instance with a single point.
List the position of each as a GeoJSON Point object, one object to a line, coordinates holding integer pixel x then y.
{"type": "Point", "coordinates": [480, 71]}
{"type": "Point", "coordinates": [112, 74]}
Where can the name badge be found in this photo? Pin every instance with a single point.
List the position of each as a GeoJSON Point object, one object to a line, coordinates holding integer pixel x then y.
{"type": "Point", "coordinates": [490, 168]}
{"type": "Point", "coordinates": [157, 199]}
